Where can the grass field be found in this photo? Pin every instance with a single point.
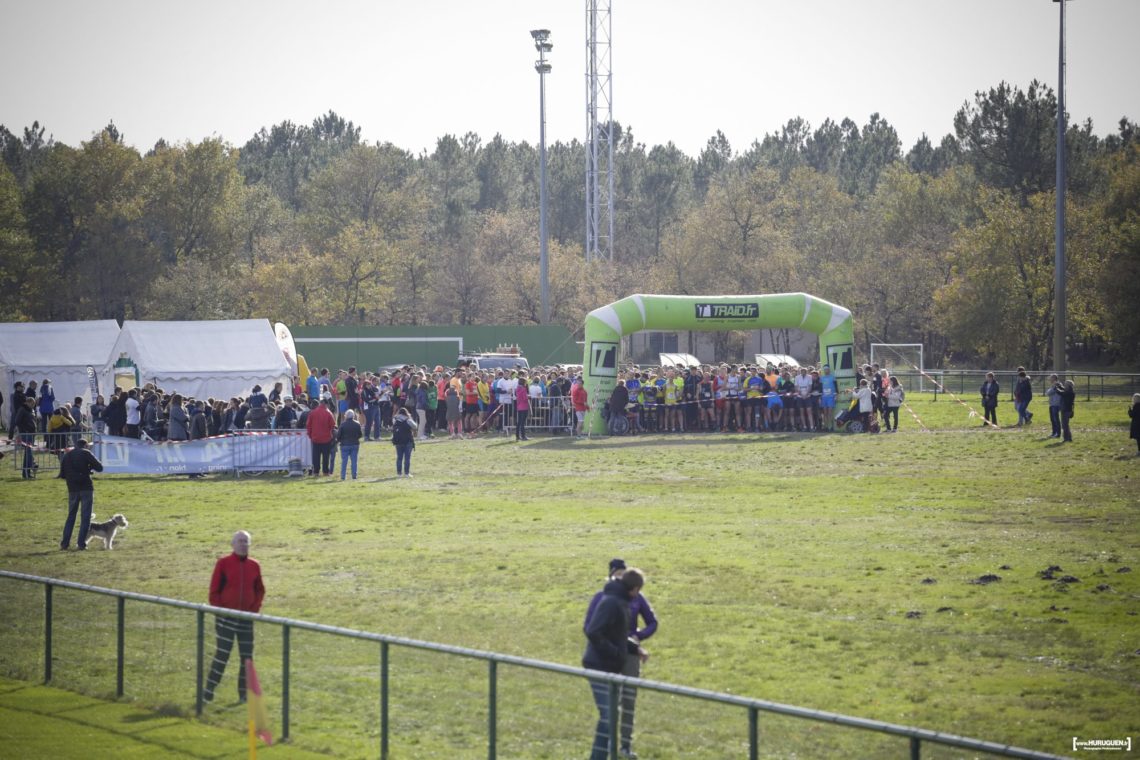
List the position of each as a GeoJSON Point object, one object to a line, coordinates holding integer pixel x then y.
{"type": "Point", "coordinates": [833, 572]}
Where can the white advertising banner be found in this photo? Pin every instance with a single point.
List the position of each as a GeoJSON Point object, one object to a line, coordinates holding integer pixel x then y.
{"type": "Point", "coordinates": [247, 452]}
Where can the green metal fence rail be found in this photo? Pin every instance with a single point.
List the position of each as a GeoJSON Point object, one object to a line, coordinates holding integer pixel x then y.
{"type": "Point", "coordinates": [966, 382]}
{"type": "Point", "coordinates": [915, 736]}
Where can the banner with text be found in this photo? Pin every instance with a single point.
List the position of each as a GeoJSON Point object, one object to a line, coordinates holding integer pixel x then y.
{"type": "Point", "coordinates": [245, 452]}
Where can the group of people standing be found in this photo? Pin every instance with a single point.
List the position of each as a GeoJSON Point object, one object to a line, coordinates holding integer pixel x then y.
{"type": "Point", "coordinates": [461, 401]}
{"type": "Point", "coordinates": [326, 433]}
{"type": "Point", "coordinates": [1062, 397]}
{"type": "Point", "coordinates": [878, 393]}
{"type": "Point", "coordinates": [748, 398]}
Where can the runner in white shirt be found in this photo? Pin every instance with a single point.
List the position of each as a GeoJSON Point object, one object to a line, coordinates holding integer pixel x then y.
{"type": "Point", "coordinates": [133, 416]}
{"type": "Point", "coordinates": [803, 398]}
{"type": "Point", "coordinates": [732, 399]}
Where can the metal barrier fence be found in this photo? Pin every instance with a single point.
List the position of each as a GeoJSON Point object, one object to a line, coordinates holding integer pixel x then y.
{"type": "Point", "coordinates": [548, 414]}
{"type": "Point", "coordinates": [45, 450]}
{"type": "Point", "coordinates": [237, 453]}
{"type": "Point", "coordinates": [381, 679]}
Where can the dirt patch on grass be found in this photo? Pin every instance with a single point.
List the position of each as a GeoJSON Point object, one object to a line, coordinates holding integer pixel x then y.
{"type": "Point", "coordinates": [985, 580]}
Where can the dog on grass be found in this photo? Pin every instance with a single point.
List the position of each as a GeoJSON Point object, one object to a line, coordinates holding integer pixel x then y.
{"type": "Point", "coordinates": [106, 530]}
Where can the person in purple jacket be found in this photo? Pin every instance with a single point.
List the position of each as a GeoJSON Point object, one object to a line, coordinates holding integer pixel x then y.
{"type": "Point", "coordinates": [639, 607]}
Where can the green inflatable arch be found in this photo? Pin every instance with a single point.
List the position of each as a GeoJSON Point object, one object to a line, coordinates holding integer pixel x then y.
{"type": "Point", "coordinates": [605, 327]}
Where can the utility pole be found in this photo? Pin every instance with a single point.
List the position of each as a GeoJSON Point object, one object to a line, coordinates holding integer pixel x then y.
{"type": "Point", "coordinates": [543, 46]}
{"type": "Point", "coordinates": [1059, 317]}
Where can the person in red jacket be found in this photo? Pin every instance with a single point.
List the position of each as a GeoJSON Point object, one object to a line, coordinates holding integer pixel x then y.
{"type": "Point", "coordinates": [236, 585]}
{"type": "Point", "coordinates": [321, 427]}
{"type": "Point", "coordinates": [578, 399]}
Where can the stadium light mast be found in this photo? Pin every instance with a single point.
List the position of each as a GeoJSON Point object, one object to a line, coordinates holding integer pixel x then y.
{"type": "Point", "coordinates": [543, 46]}
{"type": "Point", "coordinates": [1059, 317]}
{"type": "Point", "coordinates": [599, 132]}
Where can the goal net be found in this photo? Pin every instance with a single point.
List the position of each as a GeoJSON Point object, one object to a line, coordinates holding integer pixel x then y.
{"type": "Point", "coordinates": [904, 360]}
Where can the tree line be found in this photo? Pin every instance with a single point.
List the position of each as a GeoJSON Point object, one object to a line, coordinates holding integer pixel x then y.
{"type": "Point", "coordinates": [947, 244]}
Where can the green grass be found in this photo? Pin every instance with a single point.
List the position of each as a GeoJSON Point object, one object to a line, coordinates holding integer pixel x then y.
{"type": "Point", "coordinates": [42, 722]}
{"type": "Point", "coordinates": [782, 567]}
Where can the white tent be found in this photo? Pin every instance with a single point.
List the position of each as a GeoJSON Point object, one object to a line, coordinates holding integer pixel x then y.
{"type": "Point", "coordinates": [217, 358]}
{"type": "Point", "coordinates": [59, 351]}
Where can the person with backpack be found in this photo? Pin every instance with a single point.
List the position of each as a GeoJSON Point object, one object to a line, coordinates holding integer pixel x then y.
{"type": "Point", "coordinates": [404, 439]}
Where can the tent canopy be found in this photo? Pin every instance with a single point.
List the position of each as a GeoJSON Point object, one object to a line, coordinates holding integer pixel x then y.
{"type": "Point", "coordinates": [218, 358]}
{"type": "Point", "coordinates": [59, 351]}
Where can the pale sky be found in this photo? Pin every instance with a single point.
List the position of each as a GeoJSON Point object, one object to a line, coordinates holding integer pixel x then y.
{"type": "Point", "coordinates": [410, 72]}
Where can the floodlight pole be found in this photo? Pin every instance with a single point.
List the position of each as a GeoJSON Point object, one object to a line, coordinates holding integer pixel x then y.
{"type": "Point", "coordinates": [543, 46]}
{"type": "Point", "coordinates": [1059, 233]}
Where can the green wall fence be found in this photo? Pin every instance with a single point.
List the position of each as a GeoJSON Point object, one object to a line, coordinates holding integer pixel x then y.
{"type": "Point", "coordinates": [369, 347]}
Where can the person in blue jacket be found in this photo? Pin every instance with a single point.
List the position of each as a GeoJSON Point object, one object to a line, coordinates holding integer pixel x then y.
{"type": "Point", "coordinates": [46, 404]}
{"type": "Point", "coordinates": [608, 647]}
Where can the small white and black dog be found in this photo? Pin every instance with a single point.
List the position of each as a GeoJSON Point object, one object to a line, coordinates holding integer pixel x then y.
{"type": "Point", "coordinates": [106, 530]}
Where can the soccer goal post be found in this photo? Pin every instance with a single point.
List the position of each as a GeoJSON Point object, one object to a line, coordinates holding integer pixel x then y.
{"type": "Point", "coordinates": [904, 359]}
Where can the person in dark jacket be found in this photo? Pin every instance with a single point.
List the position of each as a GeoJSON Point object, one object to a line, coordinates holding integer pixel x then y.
{"type": "Point", "coordinates": [607, 647]}
{"type": "Point", "coordinates": [1134, 413]}
{"type": "Point", "coordinates": [619, 399]}
{"type": "Point", "coordinates": [236, 584]}
{"type": "Point", "coordinates": [116, 414]}
{"type": "Point", "coordinates": [76, 467]}
{"type": "Point", "coordinates": [1022, 395]}
{"type": "Point", "coordinates": [258, 414]}
{"type": "Point", "coordinates": [178, 425]}
{"type": "Point", "coordinates": [24, 423]}
{"type": "Point", "coordinates": [348, 435]}
{"type": "Point", "coordinates": [638, 608]}
{"type": "Point", "coordinates": [286, 415]}
{"type": "Point", "coordinates": [17, 403]}
{"type": "Point", "coordinates": [404, 439]}
{"type": "Point", "coordinates": [1068, 394]}
{"type": "Point", "coordinates": [990, 390]}
{"type": "Point", "coordinates": [198, 426]}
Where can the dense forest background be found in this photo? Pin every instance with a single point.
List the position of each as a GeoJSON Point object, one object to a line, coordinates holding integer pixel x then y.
{"type": "Point", "coordinates": [948, 244]}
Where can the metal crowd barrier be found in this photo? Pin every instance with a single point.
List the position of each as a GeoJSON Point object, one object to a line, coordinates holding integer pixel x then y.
{"type": "Point", "coordinates": [548, 414]}
{"type": "Point", "coordinates": [915, 737]}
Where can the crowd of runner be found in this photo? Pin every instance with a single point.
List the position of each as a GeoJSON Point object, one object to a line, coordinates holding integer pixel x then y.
{"type": "Point", "coordinates": [747, 398]}
{"type": "Point", "coordinates": [463, 402]}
